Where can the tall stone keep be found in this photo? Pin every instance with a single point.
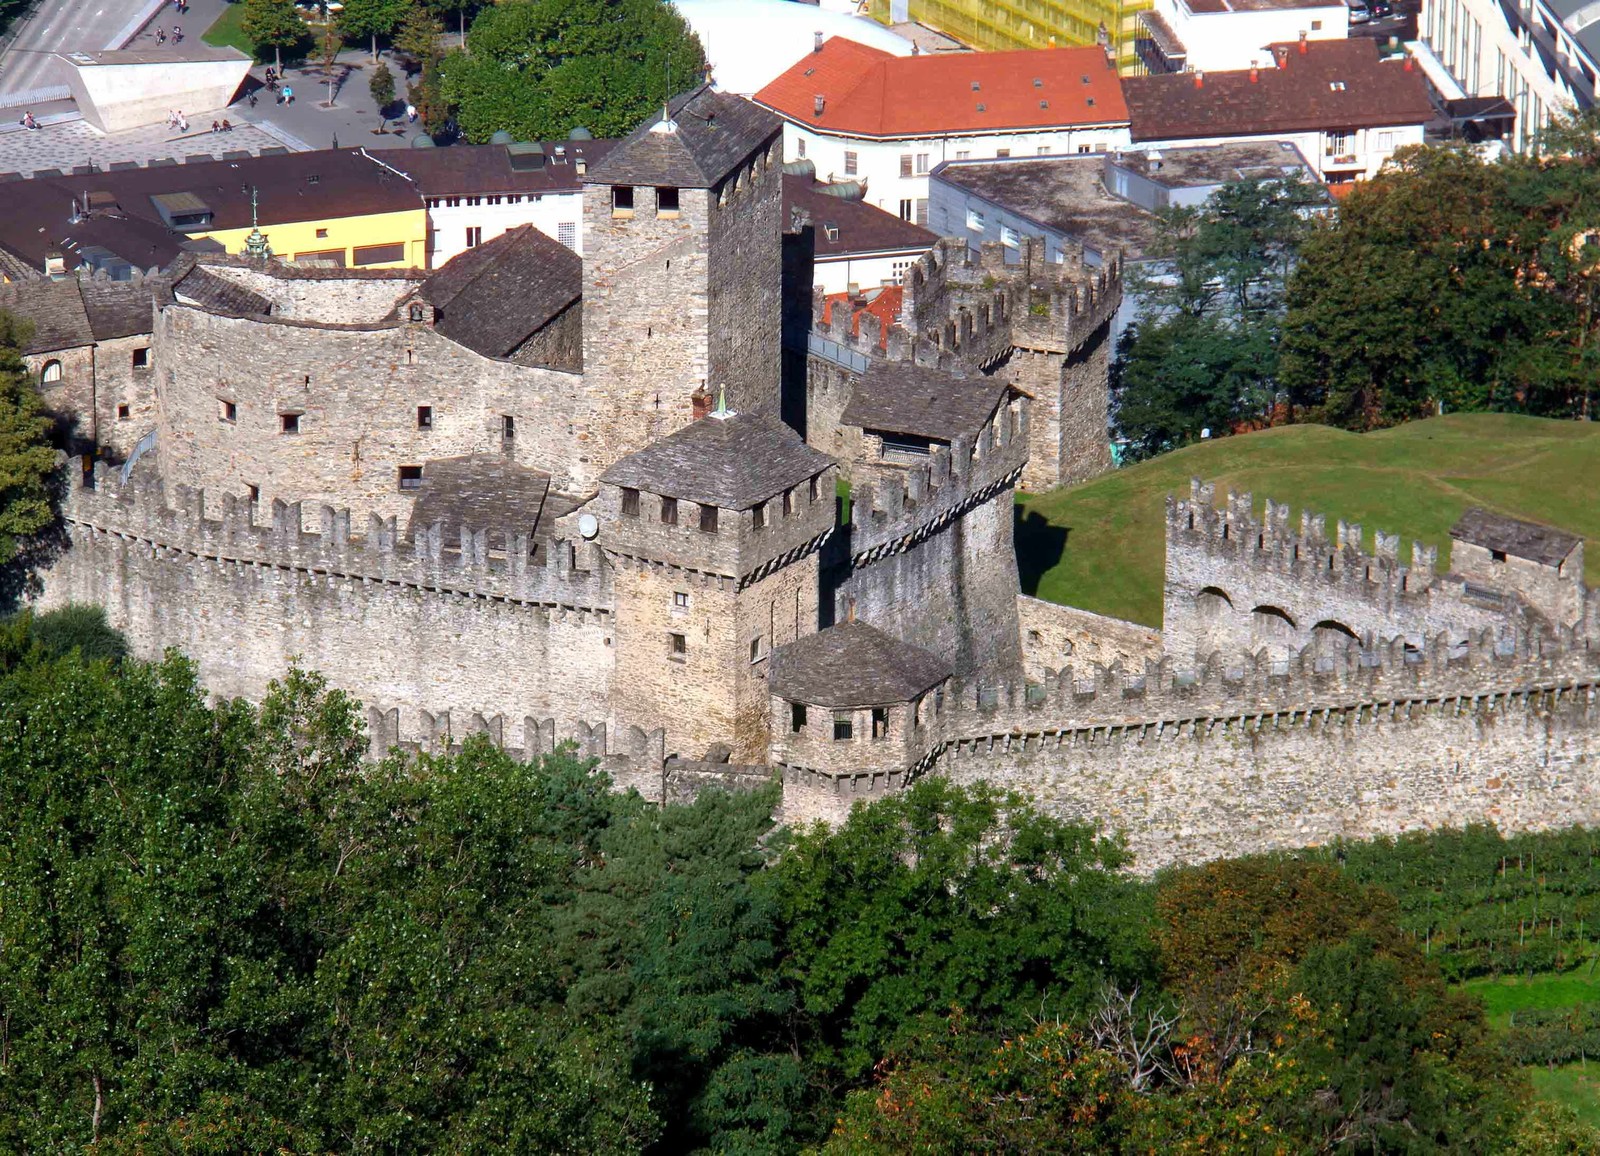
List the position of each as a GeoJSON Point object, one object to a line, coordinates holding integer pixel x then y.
{"type": "Point", "coordinates": [681, 274]}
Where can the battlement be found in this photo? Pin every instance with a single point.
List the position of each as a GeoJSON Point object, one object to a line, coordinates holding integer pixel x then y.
{"type": "Point", "coordinates": [1310, 556]}
{"type": "Point", "coordinates": [964, 313]}
{"type": "Point", "coordinates": [899, 507]}
{"type": "Point", "coordinates": [504, 564]}
{"type": "Point", "coordinates": [445, 732]}
{"type": "Point", "coordinates": [1369, 680]}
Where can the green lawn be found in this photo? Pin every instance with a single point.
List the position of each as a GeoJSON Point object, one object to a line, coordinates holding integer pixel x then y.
{"type": "Point", "coordinates": [226, 33]}
{"type": "Point", "coordinates": [1503, 996]}
{"type": "Point", "coordinates": [1575, 1085]}
{"type": "Point", "coordinates": [1099, 545]}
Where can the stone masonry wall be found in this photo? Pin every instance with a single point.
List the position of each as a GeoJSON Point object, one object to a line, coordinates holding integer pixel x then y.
{"type": "Point", "coordinates": [330, 296]}
{"type": "Point", "coordinates": [356, 392]}
{"type": "Point", "coordinates": [746, 283]}
{"type": "Point", "coordinates": [1055, 636]}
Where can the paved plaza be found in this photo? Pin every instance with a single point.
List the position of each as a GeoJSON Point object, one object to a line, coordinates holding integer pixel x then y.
{"type": "Point", "coordinates": [68, 143]}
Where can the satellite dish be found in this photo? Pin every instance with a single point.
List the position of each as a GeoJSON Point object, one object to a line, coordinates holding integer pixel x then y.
{"type": "Point", "coordinates": [588, 525]}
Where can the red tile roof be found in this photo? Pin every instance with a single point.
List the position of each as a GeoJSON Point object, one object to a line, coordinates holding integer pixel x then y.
{"type": "Point", "coordinates": [1332, 84]}
{"type": "Point", "coordinates": [884, 303]}
{"type": "Point", "coordinates": [867, 92]}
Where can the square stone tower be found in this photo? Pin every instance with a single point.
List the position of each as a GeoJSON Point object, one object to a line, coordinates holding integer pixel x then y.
{"type": "Point", "coordinates": [682, 274]}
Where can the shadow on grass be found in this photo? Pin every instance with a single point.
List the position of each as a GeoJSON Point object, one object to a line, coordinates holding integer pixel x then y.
{"type": "Point", "coordinates": [1039, 546]}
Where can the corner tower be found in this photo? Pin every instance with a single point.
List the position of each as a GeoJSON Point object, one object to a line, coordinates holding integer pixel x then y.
{"type": "Point", "coordinates": [682, 274]}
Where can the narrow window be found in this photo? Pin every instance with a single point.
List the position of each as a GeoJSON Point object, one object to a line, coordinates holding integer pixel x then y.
{"type": "Point", "coordinates": [424, 417]}
{"type": "Point", "coordinates": [905, 164]}
{"type": "Point", "coordinates": [677, 646]}
{"type": "Point", "coordinates": [411, 477]}
{"type": "Point", "coordinates": [880, 722]}
{"type": "Point", "coordinates": [708, 519]}
{"type": "Point", "coordinates": [788, 502]}
{"type": "Point", "coordinates": [666, 202]}
{"type": "Point", "coordinates": [669, 511]}
{"type": "Point", "coordinates": [50, 372]}
{"type": "Point", "coordinates": [253, 492]}
{"type": "Point", "coordinates": [755, 649]}
{"type": "Point", "coordinates": [141, 358]}
{"type": "Point", "coordinates": [474, 236]}
{"type": "Point", "coordinates": [289, 423]}
{"type": "Point", "coordinates": [906, 208]}
{"type": "Point", "coordinates": [680, 600]}
{"type": "Point", "coordinates": [800, 148]}
{"type": "Point", "coordinates": [508, 426]}
{"type": "Point", "coordinates": [843, 727]}
{"type": "Point", "coordinates": [630, 501]}
{"type": "Point", "coordinates": [812, 486]}
{"type": "Point", "coordinates": [851, 163]}
{"type": "Point", "coordinates": [622, 200]}
{"type": "Point", "coordinates": [416, 313]}
{"type": "Point", "coordinates": [567, 234]}
{"type": "Point", "coordinates": [227, 411]}
{"type": "Point", "coordinates": [759, 516]}
{"type": "Point", "coordinates": [122, 413]}
{"type": "Point", "coordinates": [797, 717]}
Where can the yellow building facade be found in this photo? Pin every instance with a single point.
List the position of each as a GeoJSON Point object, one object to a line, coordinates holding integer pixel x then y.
{"type": "Point", "coordinates": [999, 25]}
{"type": "Point", "coordinates": [394, 240]}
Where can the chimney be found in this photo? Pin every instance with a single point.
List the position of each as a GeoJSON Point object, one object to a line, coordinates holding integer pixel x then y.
{"type": "Point", "coordinates": [1199, 80]}
{"type": "Point", "coordinates": [701, 400]}
{"type": "Point", "coordinates": [1255, 73]}
{"type": "Point", "coordinates": [1283, 57]}
{"type": "Point", "coordinates": [816, 104]}
{"type": "Point", "coordinates": [816, 42]}
{"type": "Point", "coordinates": [1303, 48]}
{"type": "Point", "coordinates": [1411, 63]}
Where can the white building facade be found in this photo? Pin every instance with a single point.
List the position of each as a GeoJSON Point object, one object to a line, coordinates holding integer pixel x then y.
{"type": "Point", "coordinates": [1219, 35]}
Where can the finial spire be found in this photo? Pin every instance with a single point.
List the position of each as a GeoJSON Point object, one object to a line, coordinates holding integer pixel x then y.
{"type": "Point", "coordinates": [722, 412]}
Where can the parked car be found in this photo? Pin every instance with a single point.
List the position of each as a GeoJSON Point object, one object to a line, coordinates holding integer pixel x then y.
{"type": "Point", "coordinates": [1379, 8]}
{"type": "Point", "coordinates": [1359, 12]}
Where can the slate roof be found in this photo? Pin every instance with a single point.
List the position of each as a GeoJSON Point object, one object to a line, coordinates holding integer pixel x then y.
{"type": "Point", "coordinates": [732, 463]}
{"type": "Point", "coordinates": [481, 492]}
{"type": "Point", "coordinates": [493, 297]}
{"type": "Point", "coordinates": [715, 134]}
{"type": "Point", "coordinates": [900, 397]}
{"type": "Point", "coordinates": [847, 225]}
{"type": "Point", "coordinates": [56, 310]}
{"type": "Point", "coordinates": [1543, 544]}
{"type": "Point", "coordinates": [117, 308]}
{"type": "Point", "coordinates": [867, 92]}
{"type": "Point", "coordinates": [1334, 84]}
{"type": "Point", "coordinates": [218, 294]}
{"type": "Point", "coordinates": [853, 665]}
{"type": "Point", "coordinates": [471, 170]}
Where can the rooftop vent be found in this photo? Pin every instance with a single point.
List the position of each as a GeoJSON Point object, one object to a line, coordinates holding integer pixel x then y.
{"type": "Point", "coordinates": [313, 179]}
{"type": "Point", "coordinates": [1091, 102]}
{"type": "Point", "coordinates": [1086, 80]}
{"type": "Point", "coordinates": [817, 103]}
{"type": "Point", "coordinates": [974, 86]}
{"type": "Point", "coordinates": [1037, 83]}
{"type": "Point", "coordinates": [1044, 104]}
{"type": "Point", "coordinates": [1335, 86]}
{"type": "Point", "coordinates": [816, 42]}
{"type": "Point", "coordinates": [526, 156]}
{"type": "Point", "coordinates": [982, 107]}
{"type": "Point", "coordinates": [182, 211]}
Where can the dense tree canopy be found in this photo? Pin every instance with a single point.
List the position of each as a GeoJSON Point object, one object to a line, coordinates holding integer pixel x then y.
{"type": "Point", "coordinates": [26, 458]}
{"type": "Point", "coordinates": [540, 68]}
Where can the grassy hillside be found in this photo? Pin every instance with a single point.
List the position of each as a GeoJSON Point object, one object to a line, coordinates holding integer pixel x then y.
{"type": "Point", "coordinates": [1099, 545]}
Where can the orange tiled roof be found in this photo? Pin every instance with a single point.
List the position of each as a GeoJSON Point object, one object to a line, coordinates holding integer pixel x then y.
{"type": "Point", "coordinates": [884, 303]}
{"type": "Point", "coordinates": [867, 92]}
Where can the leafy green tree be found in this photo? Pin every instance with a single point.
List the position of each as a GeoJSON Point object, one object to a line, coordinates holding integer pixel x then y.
{"type": "Point", "coordinates": [381, 85]}
{"type": "Point", "coordinates": [1202, 354]}
{"type": "Point", "coordinates": [538, 68]}
{"type": "Point", "coordinates": [419, 38]}
{"type": "Point", "coordinates": [26, 458]}
{"type": "Point", "coordinates": [274, 24]}
{"type": "Point", "coordinates": [371, 19]}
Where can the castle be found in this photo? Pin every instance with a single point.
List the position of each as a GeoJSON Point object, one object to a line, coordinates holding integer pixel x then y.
{"type": "Point", "coordinates": [662, 502]}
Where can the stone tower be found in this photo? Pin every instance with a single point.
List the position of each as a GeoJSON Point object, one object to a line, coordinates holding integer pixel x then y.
{"type": "Point", "coordinates": [681, 274]}
{"type": "Point", "coordinates": [712, 535]}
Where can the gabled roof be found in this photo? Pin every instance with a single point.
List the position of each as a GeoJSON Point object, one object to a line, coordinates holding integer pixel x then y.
{"type": "Point", "coordinates": [853, 665]}
{"type": "Point", "coordinates": [218, 294]}
{"type": "Point", "coordinates": [479, 492]}
{"type": "Point", "coordinates": [477, 169]}
{"type": "Point", "coordinates": [902, 397]}
{"type": "Point", "coordinates": [1543, 544]}
{"type": "Point", "coordinates": [1331, 84]}
{"type": "Point", "coordinates": [55, 309]}
{"type": "Point", "coordinates": [493, 297]}
{"type": "Point", "coordinates": [732, 462]}
{"type": "Point", "coordinates": [845, 225]}
{"type": "Point", "coordinates": [710, 135]}
{"type": "Point", "coordinates": [117, 308]}
{"type": "Point", "coordinates": [884, 302]}
{"type": "Point", "coordinates": [866, 92]}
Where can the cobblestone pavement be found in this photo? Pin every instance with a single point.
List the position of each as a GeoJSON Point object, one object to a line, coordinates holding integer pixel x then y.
{"type": "Point", "coordinates": [68, 143]}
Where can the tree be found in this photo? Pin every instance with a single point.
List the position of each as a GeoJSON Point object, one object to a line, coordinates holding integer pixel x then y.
{"type": "Point", "coordinates": [419, 39]}
{"type": "Point", "coordinates": [332, 41]}
{"type": "Point", "coordinates": [381, 85]}
{"type": "Point", "coordinates": [27, 461]}
{"type": "Point", "coordinates": [371, 19]}
{"type": "Point", "coordinates": [1202, 355]}
{"type": "Point", "coordinates": [538, 69]}
{"type": "Point", "coordinates": [274, 24]}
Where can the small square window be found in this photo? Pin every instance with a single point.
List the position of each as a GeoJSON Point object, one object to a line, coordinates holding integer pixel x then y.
{"type": "Point", "coordinates": [424, 417]}
{"type": "Point", "coordinates": [141, 358]}
{"type": "Point", "coordinates": [843, 727]}
{"type": "Point", "coordinates": [227, 411]}
{"type": "Point", "coordinates": [708, 519]}
{"type": "Point", "coordinates": [322, 234]}
{"type": "Point", "coordinates": [1497, 555]}
{"type": "Point", "coordinates": [666, 201]}
{"type": "Point", "coordinates": [253, 492]}
{"type": "Point", "coordinates": [797, 717]}
{"type": "Point", "coordinates": [417, 313]}
{"type": "Point", "coordinates": [411, 477]}
{"type": "Point", "coordinates": [669, 511]}
{"type": "Point", "coordinates": [677, 646]}
{"type": "Point", "coordinates": [474, 236]}
{"type": "Point", "coordinates": [630, 502]}
{"type": "Point", "coordinates": [680, 600]}
{"type": "Point", "coordinates": [122, 413]}
{"type": "Point", "coordinates": [880, 722]}
{"type": "Point", "coordinates": [289, 423]}
{"type": "Point", "coordinates": [508, 426]}
{"type": "Point", "coordinates": [758, 516]}
{"type": "Point", "coordinates": [622, 200]}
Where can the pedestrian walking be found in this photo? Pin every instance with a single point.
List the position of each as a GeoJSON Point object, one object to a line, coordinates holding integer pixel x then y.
{"type": "Point", "coordinates": [288, 95]}
{"type": "Point", "coordinates": [411, 113]}
{"type": "Point", "coordinates": [161, 35]}
{"type": "Point", "coordinates": [177, 35]}
{"type": "Point", "coordinates": [183, 122]}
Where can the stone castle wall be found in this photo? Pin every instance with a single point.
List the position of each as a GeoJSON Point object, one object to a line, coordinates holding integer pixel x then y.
{"type": "Point", "coordinates": [357, 392]}
{"type": "Point", "coordinates": [1279, 755]}
{"type": "Point", "coordinates": [1055, 636]}
{"type": "Point", "coordinates": [746, 271]}
{"type": "Point", "coordinates": [321, 296]}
